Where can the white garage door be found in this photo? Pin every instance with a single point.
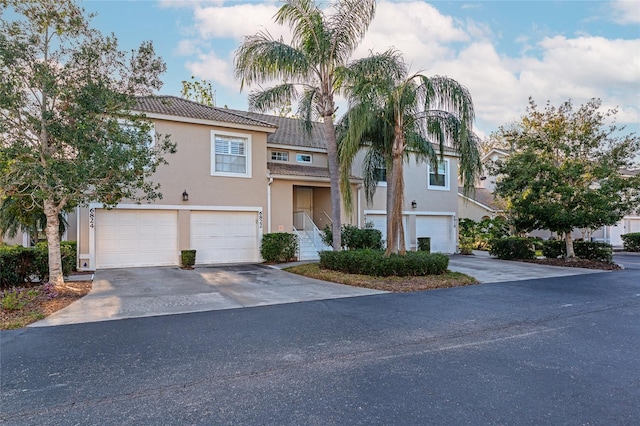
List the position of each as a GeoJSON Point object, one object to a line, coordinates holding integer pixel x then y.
{"type": "Point", "coordinates": [379, 222]}
{"type": "Point", "coordinates": [127, 238]}
{"type": "Point", "coordinates": [225, 237]}
{"type": "Point", "coordinates": [439, 229]}
{"type": "Point", "coordinates": [633, 225]}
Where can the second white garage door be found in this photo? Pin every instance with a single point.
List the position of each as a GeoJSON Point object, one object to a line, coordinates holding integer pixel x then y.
{"type": "Point", "coordinates": [127, 238]}
{"type": "Point", "coordinates": [225, 237]}
{"type": "Point", "coordinates": [439, 228]}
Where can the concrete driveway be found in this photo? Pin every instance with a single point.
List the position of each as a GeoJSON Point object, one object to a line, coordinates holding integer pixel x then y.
{"type": "Point", "coordinates": [490, 270]}
{"type": "Point", "coordinates": [145, 292]}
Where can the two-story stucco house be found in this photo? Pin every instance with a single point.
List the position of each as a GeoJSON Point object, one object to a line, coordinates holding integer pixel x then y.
{"type": "Point", "coordinates": [237, 175]}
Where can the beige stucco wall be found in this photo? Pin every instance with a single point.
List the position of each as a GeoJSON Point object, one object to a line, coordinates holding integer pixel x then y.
{"type": "Point", "coordinates": [470, 210]}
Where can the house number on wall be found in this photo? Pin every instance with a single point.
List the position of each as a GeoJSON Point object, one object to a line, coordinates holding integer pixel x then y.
{"type": "Point", "coordinates": [92, 218]}
{"type": "Point", "coordinates": [260, 220]}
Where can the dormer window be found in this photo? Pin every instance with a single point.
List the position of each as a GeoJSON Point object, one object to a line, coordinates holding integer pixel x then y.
{"type": "Point", "coordinates": [304, 158]}
{"type": "Point", "coordinates": [279, 156]}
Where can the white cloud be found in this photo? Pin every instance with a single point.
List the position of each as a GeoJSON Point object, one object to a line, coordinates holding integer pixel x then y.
{"type": "Point", "coordinates": [237, 21]}
{"type": "Point", "coordinates": [209, 66]}
{"type": "Point", "coordinates": [626, 11]}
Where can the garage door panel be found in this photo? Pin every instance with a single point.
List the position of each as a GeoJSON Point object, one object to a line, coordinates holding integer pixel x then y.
{"type": "Point", "coordinates": [127, 238]}
{"type": "Point", "coordinates": [438, 228]}
{"type": "Point", "coordinates": [224, 237]}
{"type": "Point", "coordinates": [379, 222]}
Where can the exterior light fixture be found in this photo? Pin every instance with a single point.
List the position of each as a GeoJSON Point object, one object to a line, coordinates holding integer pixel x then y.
{"type": "Point", "coordinates": [414, 204]}
{"type": "Point", "coordinates": [185, 196]}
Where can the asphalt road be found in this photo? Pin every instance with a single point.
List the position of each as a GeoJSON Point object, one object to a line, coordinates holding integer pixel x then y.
{"type": "Point", "coordinates": [552, 351]}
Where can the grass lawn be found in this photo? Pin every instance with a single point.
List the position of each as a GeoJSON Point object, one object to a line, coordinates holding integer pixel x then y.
{"type": "Point", "coordinates": [395, 284]}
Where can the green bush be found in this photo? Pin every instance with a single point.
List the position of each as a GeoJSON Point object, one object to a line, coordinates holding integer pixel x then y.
{"type": "Point", "coordinates": [16, 265]}
{"type": "Point", "coordinates": [187, 258]}
{"type": "Point", "coordinates": [553, 249]}
{"type": "Point", "coordinates": [631, 241]}
{"type": "Point", "coordinates": [279, 247]}
{"type": "Point", "coordinates": [590, 250]}
{"type": "Point", "coordinates": [68, 253]}
{"type": "Point", "coordinates": [19, 264]}
{"type": "Point", "coordinates": [373, 262]}
{"type": "Point", "coordinates": [512, 248]}
{"type": "Point", "coordinates": [424, 244]}
{"type": "Point", "coordinates": [593, 250]}
{"type": "Point", "coordinates": [354, 238]}
{"type": "Point", "coordinates": [466, 245]}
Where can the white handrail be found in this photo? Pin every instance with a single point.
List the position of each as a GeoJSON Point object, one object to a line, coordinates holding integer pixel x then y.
{"type": "Point", "coordinates": [302, 221]}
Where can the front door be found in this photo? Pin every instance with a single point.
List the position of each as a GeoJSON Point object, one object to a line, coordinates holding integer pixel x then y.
{"type": "Point", "coordinates": [304, 200]}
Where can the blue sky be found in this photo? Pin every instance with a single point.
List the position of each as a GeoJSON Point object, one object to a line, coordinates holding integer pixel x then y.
{"type": "Point", "coordinates": [503, 51]}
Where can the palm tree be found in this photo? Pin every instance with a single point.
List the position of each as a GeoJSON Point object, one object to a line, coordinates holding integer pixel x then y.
{"type": "Point", "coordinates": [321, 45]}
{"type": "Point", "coordinates": [395, 115]}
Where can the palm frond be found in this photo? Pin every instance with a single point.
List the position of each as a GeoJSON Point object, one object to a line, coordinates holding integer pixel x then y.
{"type": "Point", "coordinates": [260, 58]}
{"type": "Point", "coordinates": [273, 97]}
{"type": "Point", "coordinates": [348, 25]}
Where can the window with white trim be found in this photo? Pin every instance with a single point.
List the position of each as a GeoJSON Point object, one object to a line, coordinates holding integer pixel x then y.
{"type": "Point", "coordinates": [230, 154]}
{"type": "Point", "coordinates": [304, 158]}
{"type": "Point", "coordinates": [439, 178]}
{"type": "Point", "coordinates": [381, 175]}
{"type": "Point", "coordinates": [279, 156]}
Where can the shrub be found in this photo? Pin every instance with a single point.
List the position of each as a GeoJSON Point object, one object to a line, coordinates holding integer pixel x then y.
{"type": "Point", "coordinates": [424, 244]}
{"type": "Point", "coordinates": [279, 247]}
{"type": "Point", "coordinates": [590, 250]}
{"type": "Point", "coordinates": [466, 245]}
{"type": "Point", "coordinates": [19, 264]}
{"type": "Point", "coordinates": [354, 238]}
{"type": "Point", "coordinates": [553, 249]}
{"type": "Point", "coordinates": [631, 241]}
{"type": "Point", "coordinates": [16, 264]}
{"type": "Point", "coordinates": [187, 258]}
{"type": "Point", "coordinates": [512, 248]}
{"type": "Point", "coordinates": [68, 253]}
{"type": "Point", "coordinates": [373, 262]}
{"type": "Point", "coordinates": [593, 250]}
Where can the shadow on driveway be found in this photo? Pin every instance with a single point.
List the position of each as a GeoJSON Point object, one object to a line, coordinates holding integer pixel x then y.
{"type": "Point", "coordinates": [145, 292]}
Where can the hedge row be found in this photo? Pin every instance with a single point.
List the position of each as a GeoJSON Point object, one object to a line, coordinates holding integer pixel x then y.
{"type": "Point", "coordinates": [512, 248]}
{"type": "Point", "coordinates": [373, 262]}
{"type": "Point", "coordinates": [19, 265]}
{"type": "Point", "coordinates": [354, 238]}
{"type": "Point", "coordinates": [631, 241]}
{"type": "Point", "coordinates": [524, 248]}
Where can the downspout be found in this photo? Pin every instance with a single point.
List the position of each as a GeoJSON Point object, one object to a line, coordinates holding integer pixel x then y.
{"type": "Point", "coordinates": [358, 204]}
{"type": "Point", "coordinates": [269, 202]}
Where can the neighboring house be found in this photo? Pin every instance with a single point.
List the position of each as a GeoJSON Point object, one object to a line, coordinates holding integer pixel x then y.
{"type": "Point", "coordinates": [482, 204]}
{"type": "Point", "coordinates": [237, 175]}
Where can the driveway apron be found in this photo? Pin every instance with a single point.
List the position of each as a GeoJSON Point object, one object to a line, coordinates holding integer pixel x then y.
{"type": "Point", "coordinates": [144, 292]}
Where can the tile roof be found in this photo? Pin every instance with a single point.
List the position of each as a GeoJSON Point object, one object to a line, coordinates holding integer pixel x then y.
{"type": "Point", "coordinates": [290, 130]}
{"type": "Point", "coordinates": [179, 107]}
{"type": "Point", "coordinates": [287, 169]}
{"type": "Point", "coordinates": [482, 196]}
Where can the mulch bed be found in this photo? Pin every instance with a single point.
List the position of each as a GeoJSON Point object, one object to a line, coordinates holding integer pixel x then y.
{"type": "Point", "coordinates": [42, 307]}
{"type": "Point", "coordinates": [575, 263]}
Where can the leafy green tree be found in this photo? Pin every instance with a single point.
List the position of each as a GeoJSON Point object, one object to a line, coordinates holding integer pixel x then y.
{"type": "Point", "coordinates": [199, 91]}
{"type": "Point", "coordinates": [565, 171]}
{"type": "Point", "coordinates": [19, 214]}
{"type": "Point", "coordinates": [68, 135]}
{"type": "Point", "coordinates": [395, 116]}
{"type": "Point", "coordinates": [321, 45]}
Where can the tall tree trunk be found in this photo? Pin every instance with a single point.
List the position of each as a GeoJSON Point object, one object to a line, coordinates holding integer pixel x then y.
{"type": "Point", "coordinates": [334, 178]}
{"type": "Point", "coordinates": [571, 254]}
{"type": "Point", "coordinates": [53, 241]}
{"type": "Point", "coordinates": [402, 248]}
{"type": "Point", "coordinates": [392, 243]}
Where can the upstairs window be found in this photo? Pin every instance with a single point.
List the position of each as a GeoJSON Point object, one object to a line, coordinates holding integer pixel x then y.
{"type": "Point", "coordinates": [439, 177]}
{"type": "Point", "coordinates": [279, 156]}
{"type": "Point", "coordinates": [304, 158]}
{"type": "Point", "coordinates": [230, 155]}
{"type": "Point", "coordinates": [380, 175]}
